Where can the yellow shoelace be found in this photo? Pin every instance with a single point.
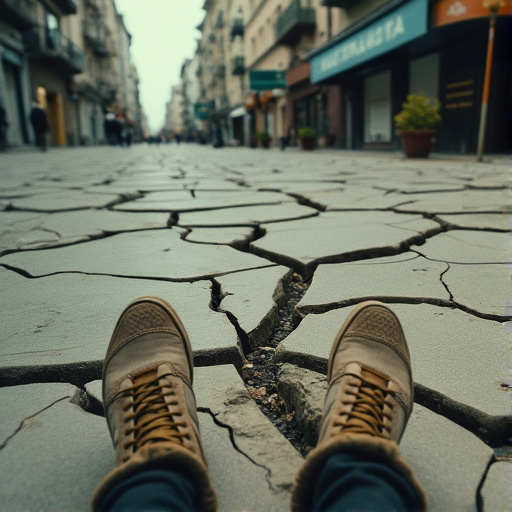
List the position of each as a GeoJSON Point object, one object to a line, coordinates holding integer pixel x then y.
{"type": "Point", "coordinates": [367, 414]}
{"type": "Point", "coordinates": [153, 422]}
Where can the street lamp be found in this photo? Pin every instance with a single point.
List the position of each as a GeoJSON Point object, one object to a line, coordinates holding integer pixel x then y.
{"type": "Point", "coordinates": [494, 6]}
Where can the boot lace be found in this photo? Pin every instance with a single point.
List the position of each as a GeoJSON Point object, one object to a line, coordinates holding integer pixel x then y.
{"type": "Point", "coordinates": [368, 413]}
{"type": "Point", "coordinates": [153, 422]}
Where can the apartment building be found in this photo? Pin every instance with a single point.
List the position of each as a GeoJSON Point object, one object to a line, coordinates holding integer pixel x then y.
{"type": "Point", "coordinates": [73, 56]}
{"type": "Point", "coordinates": [344, 67]}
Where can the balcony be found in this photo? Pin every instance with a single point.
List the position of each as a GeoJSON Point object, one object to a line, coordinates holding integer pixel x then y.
{"type": "Point", "coordinates": [294, 22]}
{"type": "Point", "coordinates": [66, 6]}
{"type": "Point", "coordinates": [345, 4]}
{"type": "Point", "coordinates": [237, 28]}
{"type": "Point", "coordinates": [220, 20]}
{"type": "Point", "coordinates": [51, 46]}
{"type": "Point", "coordinates": [211, 38]}
{"type": "Point", "coordinates": [95, 35]}
{"type": "Point", "coordinates": [238, 65]}
{"type": "Point", "coordinates": [106, 90]}
{"type": "Point", "coordinates": [21, 14]}
{"type": "Point", "coordinates": [220, 71]}
{"type": "Point", "coordinates": [94, 4]}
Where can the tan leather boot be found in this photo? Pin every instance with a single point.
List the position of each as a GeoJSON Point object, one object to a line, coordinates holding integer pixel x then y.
{"type": "Point", "coordinates": [369, 400]}
{"type": "Point", "coordinates": [149, 403]}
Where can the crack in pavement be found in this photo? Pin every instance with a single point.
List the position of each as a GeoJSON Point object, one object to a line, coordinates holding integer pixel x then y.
{"type": "Point", "coordinates": [231, 434]}
{"type": "Point", "coordinates": [25, 421]}
{"type": "Point", "coordinates": [317, 309]}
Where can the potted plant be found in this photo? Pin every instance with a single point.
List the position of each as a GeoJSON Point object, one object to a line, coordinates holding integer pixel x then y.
{"type": "Point", "coordinates": [264, 138]}
{"type": "Point", "coordinates": [307, 138]}
{"type": "Point", "coordinates": [416, 125]}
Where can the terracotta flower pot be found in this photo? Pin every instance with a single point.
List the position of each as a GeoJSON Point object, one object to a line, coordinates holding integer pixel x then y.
{"type": "Point", "coordinates": [307, 144]}
{"type": "Point", "coordinates": [417, 144]}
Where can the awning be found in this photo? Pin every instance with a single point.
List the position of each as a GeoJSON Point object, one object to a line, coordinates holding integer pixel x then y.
{"type": "Point", "coordinates": [240, 111]}
{"type": "Point", "coordinates": [266, 79]}
{"type": "Point", "coordinates": [383, 35]}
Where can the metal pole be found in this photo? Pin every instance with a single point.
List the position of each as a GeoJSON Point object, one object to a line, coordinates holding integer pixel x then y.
{"type": "Point", "coordinates": [487, 82]}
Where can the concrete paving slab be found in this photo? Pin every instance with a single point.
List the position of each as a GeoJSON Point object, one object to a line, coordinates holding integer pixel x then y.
{"type": "Point", "coordinates": [497, 490]}
{"type": "Point", "coordinates": [449, 356]}
{"type": "Point", "coordinates": [155, 254]}
{"type": "Point", "coordinates": [220, 235]}
{"type": "Point", "coordinates": [60, 452]}
{"type": "Point", "coordinates": [481, 221]}
{"type": "Point", "coordinates": [467, 247]}
{"type": "Point", "coordinates": [356, 198]}
{"type": "Point", "coordinates": [251, 298]}
{"type": "Point", "coordinates": [69, 227]}
{"type": "Point", "coordinates": [201, 200]}
{"type": "Point", "coordinates": [447, 459]}
{"type": "Point", "coordinates": [488, 201]}
{"type": "Point", "coordinates": [247, 215]}
{"type": "Point", "coordinates": [334, 234]}
{"type": "Point", "coordinates": [396, 276]}
{"type": "Point", "coordinates": [486, 291]}
{"type": "Point", "coordinates": [63, 201]}
{"type": "Point", "coordinates": [70, 318]}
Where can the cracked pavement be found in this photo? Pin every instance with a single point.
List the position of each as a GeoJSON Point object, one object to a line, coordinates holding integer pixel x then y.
{"type": "Point", "coordinates": [256, 250]}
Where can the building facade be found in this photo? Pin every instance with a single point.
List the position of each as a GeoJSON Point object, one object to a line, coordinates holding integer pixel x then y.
{"type": "Point", "coordinates": [344, 68]}
{"type": "Point", "coordinates": [407, 46]}
{"type": "Point", "coordinates": [72, 56]}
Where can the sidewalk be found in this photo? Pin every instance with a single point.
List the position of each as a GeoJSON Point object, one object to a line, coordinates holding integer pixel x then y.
{"type": "Point", "coordinates": [262, 253]}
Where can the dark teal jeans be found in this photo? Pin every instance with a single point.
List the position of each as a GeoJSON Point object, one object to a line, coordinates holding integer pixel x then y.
{"type": "Point", "coordinates": [346, 483]}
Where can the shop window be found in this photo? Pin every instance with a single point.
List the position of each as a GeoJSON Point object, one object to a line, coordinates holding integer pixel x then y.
{"type": "Point", "coordinates": [377, 108]}
{"type": "Point", "coordinates": [424, 76]}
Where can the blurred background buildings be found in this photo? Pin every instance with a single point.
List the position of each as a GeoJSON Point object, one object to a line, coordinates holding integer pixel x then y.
{"type": "Point", "coordinates": [74, 57]}
{"type": "Point", "coordinates": [341, 67]}
{"type": "Point", "coordinates": [344, 68]}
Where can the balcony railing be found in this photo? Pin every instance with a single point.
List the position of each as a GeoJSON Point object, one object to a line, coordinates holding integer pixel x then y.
{"type": "Point", "coordinates": [66, 6]}
{"type": "Point", "coordinates": [220, 20]}
{"type": "Point", "coordinates": [238, 65]}
{"type": "Point", "coordinates": [96, 34]}
{"type": "Point", "coordinates": [294, 22]}
{"type": "Point", "coordinates": [346, 4]}
{"type": "Point", "coordinates": [19, 13]}
{"type": "Point", "coordinates": [237, 28]}
{"type": "Point", "coordinates": [220, 71]}
{"type": "Point", "coordinates": [50, 44]}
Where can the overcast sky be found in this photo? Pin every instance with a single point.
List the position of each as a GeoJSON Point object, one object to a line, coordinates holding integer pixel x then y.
{"type": "Point", "coordinates": [163, 35]}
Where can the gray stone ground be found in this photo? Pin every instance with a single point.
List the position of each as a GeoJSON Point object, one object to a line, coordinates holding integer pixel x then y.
{"type": "Point", "coordinates": [245, 244]}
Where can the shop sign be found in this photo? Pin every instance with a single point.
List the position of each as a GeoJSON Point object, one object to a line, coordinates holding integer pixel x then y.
{"type": "Point", "coordinates": [459, 94]}
{"type": "Point", "coordinates": [201, 110]}
{"type": "Point", "coordinates": [451, 11]}
{"type": "Point", "coordinates": [397, 28]}
{"type": "Point", "coordinates": [266, 79]}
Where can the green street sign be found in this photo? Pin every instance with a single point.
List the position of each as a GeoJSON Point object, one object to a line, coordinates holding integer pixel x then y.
{"type": "Point", "coordinates": [201, 110]}
{"type": "Point", "coordinates": [267, 79]}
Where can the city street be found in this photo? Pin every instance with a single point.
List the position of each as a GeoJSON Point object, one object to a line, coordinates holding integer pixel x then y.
{"type": "Point", "coordinates": [263, 253]}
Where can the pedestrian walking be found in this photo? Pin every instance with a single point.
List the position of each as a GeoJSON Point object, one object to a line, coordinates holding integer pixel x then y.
{"type": "Point", "coordinates": [4, 125]}
{"type": "Point", "coordinates": [39, 123]}
{"type": "Point", "coordinates": [151, 413]}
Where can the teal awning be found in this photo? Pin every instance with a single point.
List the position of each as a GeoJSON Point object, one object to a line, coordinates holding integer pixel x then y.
{"type": "Point", "coordinates": [391, 31]}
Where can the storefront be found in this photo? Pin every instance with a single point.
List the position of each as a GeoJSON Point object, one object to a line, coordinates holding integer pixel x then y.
{"type": "Point", "coordinates": [410, 46]}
